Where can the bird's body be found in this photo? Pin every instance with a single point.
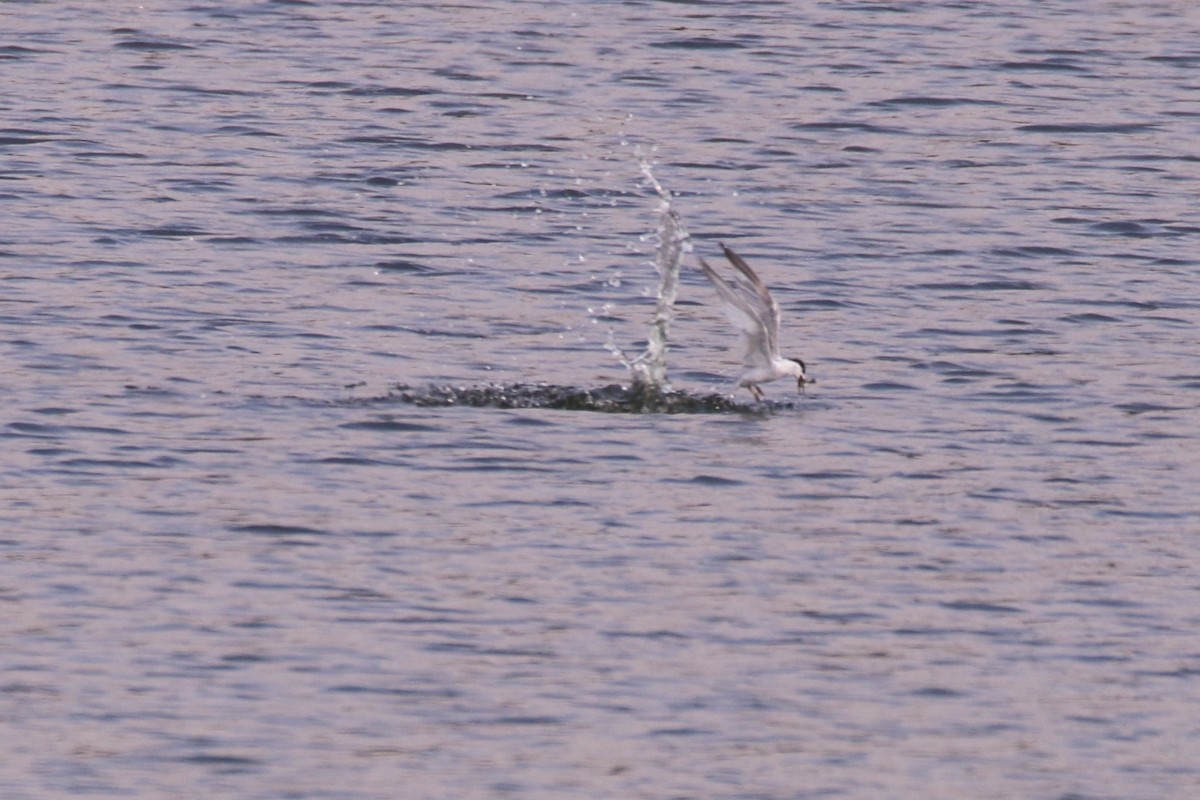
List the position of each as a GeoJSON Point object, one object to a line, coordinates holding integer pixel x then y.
{"type": "Point", "coordinates": [755, 314]}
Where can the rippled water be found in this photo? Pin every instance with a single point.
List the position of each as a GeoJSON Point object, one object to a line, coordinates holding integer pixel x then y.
{"type": "Point", "coordinates": [237, 564]}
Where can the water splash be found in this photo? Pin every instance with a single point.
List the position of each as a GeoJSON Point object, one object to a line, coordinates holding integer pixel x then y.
{"type": "Point", "coordinates": [650, 392]}
{"type": "Point", "coordinates": [613, 399]}
{"type": "Point", "coordinates": [649, 369]}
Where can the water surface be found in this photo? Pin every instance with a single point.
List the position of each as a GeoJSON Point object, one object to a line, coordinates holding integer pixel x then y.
{"type": "Point", "coordinates": [235, 564]}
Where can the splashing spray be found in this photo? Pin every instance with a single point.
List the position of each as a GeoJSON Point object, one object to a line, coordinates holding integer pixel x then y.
{"type": "Point", "coordinates": [649, 370]}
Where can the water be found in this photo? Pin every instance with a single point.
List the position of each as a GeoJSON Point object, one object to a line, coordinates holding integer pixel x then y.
{"type": "Point", "coordinates": [237, 564]}
{"type": "Point", "coordinates": [648, 371]}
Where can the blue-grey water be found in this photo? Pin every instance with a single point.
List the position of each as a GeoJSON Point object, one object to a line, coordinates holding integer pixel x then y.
{"type": "Point", "coordinates": [234, 565]}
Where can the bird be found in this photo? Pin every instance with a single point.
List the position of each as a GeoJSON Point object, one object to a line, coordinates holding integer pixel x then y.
{"type": "Point", "coordinates": [755, 314]}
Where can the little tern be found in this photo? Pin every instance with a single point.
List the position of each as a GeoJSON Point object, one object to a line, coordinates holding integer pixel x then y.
{"type": "Point", "coordinates": [755, 314]}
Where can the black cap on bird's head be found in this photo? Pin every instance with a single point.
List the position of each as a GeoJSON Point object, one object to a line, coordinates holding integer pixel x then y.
{"type": "Point", "coordinates": [802, 378]}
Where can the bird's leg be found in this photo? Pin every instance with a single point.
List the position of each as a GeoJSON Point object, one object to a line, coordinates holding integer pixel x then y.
{"type": "Point", "coordinates": [757, 392]}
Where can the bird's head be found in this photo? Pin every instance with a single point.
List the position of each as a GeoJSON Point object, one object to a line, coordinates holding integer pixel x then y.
{"type": "Point", "coordinates": [798, 372]}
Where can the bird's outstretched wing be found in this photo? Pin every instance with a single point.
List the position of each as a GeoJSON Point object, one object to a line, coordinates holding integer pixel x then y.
{"type": "Point", "coordinates": [767, 307]}
{"type": "Point", "coordinates": [750, 308]}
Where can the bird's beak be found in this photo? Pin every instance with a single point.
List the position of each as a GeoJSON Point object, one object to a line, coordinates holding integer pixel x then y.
{"type": "Point", "coordinates": [800, 383]}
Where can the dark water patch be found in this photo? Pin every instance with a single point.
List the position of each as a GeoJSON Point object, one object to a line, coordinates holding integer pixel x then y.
{"type": "Point", "coordinates": [1097, 443]}
{"type": "Point", "coordinates": [35, 430]}
{"type": "Point", "coordinates": [719, 164]}
{"type": "Point", "coordinates": [1186, 381]}
{"type": "Point", "coordinates": [98, 154]}
{"type": "Point", "coordinates": [1133, 230]}
{"type": "Point", "coordinates": [989, 333]}
{"type": "Point", "coordinates": [15, 51]}
{"type": "Point", "coordinates": [360, 237]}
{"type": "Point", "coordinates": [224, 91]}
{"type": "Point", "coordinates": [508, 652]}
{"type": "Point", "coordinates": [828, 475]}
{"type": "Point", "coordinates": [1137, 305]}
{"type": "Point", "coordinates": [1086, 318]}
{"type": "Point", "coordinates": [1034, 250]}
{"type": "Point", "coordinates": [920, 101]}
{"type": "Point", "coordinates": [455, 74]}
{"type": "Point", "coordinates": [713, 480]}
{"type": "Point", "coordinates": [989, 608]}
{"type": "Point", "coordinates": [29, 689]}
{"type": "Point", "coordinates": [1047, 65]}
{"type": "Point", "coordinates": [427, 331]}
{"type": "Point", "coordinates": [888, 386]}
{"type": "Point", "coordinates": [613, 456]}
{"type": "Point", "coordinates": [91, 428]}
{"type": "Point", "coordinates": [678, 732]}
{"type": "Point", "coordinates": [224, 763]}
{"type": "Point", "coordinates": [151, 45]}
{"type": "Point", "coordinates": [840, 617]}
{"type": "Point", "coordinates": [640, 78]}
{"type": "Point", "coordinates": [172, 232]}
{"type": "Point", "coordinates": [1050, 419]}
{"type": "Point", "coordinates": [506, 96]}
{"type": "Point", "coordinates": [1177, 230]}
{"type": "Point", "coordinates": [1088, 127]}
{"type": "Point", "coordinates": [408, 142]}
{"type": "Point", "coordinates": [822, 303]}
{"type": "Point", "coordinates": [382, 180]}
{"type": "Point", "coordinates": [1179, 672]}
{"type": "Point", "coordinates": [1136, 409]}
{"type": "Point", "coordinates": [846, 125]}
{"type": "Point", "coordinates": [1016, 394]}
{"type": "Point", "coordinates": [246, 658]}
{"type": "Point", "coordinates": [503, 465]}
{"type": "Point", "coordinates": [1147, 514]}
{"type": "Point", "coordinates": [237, 241]}
{"type": "Point", "coordinates": [332, 226]}
{"type": "Point", "coordinates": [822, 88]}
{"type": "Point", "coordinates": [1107, 602]}
{"type": "Point", "coordinates": [352, 461]}
{"type": "Point", "coordinates": [936, 692]}
{"type": "Point", "coordinates": [248, 130]}
{"type": "Point", "coordinates": [294, 211]}
{"type": "Point", "coordinates": [655, 635]}
{"type": "Point", "coordinates": [529, 422]}
{"type": "Point", "coordinates": [16, 136]}
{"type": "Point", "coordinates": [390, 426]}
{"type": "Point", "coordinates": [698, 43]}
{"type": "Point", "coordinates": [922, 476]}
{"type": "Point", "coordinates": [390, 691]}
{"type": "Point", "coordinates": [522, 721]}
{"type": "Point", "coordinates": [120, 463]}
{"type": "Point", "coordinates": [1154, 157]}
{"type": "Point", "coordinates": [1099, 658]}
{"type": "Point", "coordinates": [543, 193]}
{"type": "Point", "coordinates": [949, 368]}
{"type": "Point", "coordinates": [611, 399]}
{"type": "Point", "coordinates": [1177, 61]}
{"type": "Point", "coordinates": [375, 91]}
{"type": "Point", "coordinates": [277, 530]}
{"type": "Point", "coordinates": [982, 286]}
